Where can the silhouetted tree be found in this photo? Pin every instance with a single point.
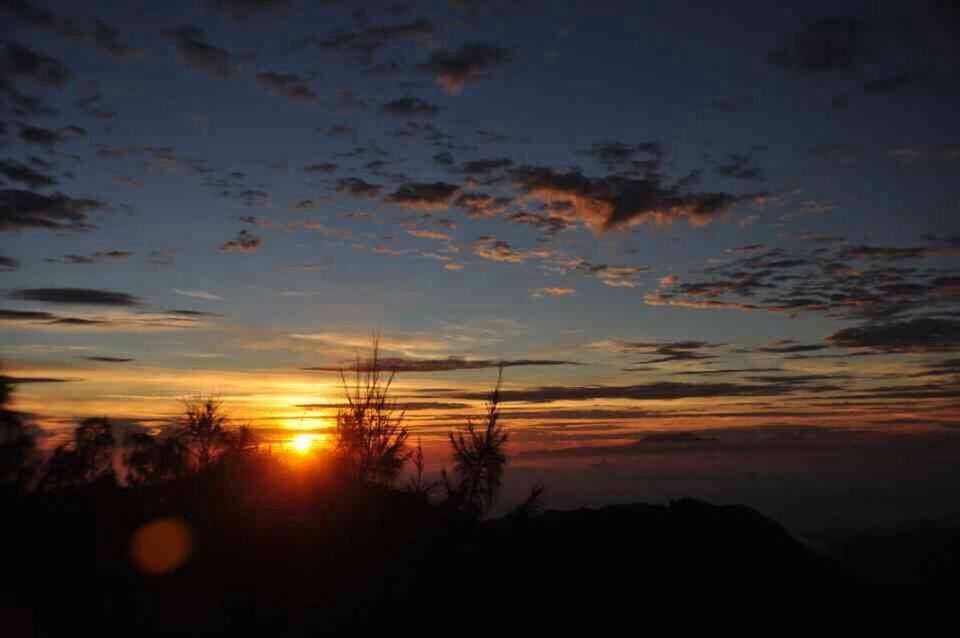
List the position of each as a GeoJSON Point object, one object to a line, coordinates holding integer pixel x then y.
{"type": "Point", "coordinates": [241, 441]}
{"type": "Point", "coordinates": [204, 430]}
{"type": "Point", "coordinates": [417, 484]}
{"type": "Point", "coordinates": [371, 441]}
{"type": "Point", "coordinates": [478, 460]}
{"type": "Point", "coordinates": [152, 459]}
{"type": "Point", "coordinates": [202, 440]}
{"type": "Point", "coordinates": [18, 447]}
{"type": "Point", "coordinates": [530, 507]}
{"type": "Point", "coordinates": [87, 459]}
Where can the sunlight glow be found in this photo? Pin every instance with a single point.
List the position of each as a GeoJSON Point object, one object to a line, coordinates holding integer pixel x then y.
{"type": "Point", "coordinates": [304, 443]}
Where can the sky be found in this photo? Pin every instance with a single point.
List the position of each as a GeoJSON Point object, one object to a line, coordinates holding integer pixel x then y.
{"type": "Point", "coordinates": [714, 245]}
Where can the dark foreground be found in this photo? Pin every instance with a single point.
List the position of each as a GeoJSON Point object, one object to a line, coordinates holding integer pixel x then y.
{"type": "Point", "coordinates": [339, 561]}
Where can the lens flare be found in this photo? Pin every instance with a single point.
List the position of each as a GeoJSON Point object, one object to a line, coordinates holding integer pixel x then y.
{"type": "Point", "coordinates": [161, 546]}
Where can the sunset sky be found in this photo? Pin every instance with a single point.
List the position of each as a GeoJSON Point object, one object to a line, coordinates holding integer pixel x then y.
{"type": "Point", "coordinates": [664, 218]}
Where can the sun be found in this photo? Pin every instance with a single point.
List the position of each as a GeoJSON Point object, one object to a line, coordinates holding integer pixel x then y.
{"type": "Point", "coordinates": [302, 443]}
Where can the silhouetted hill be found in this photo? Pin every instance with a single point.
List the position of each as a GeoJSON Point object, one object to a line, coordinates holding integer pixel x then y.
{"type": "Point", "coordinates": [685, 542]}
{"type": "Point", "coordinates": [917, 552]}
{"type": "Point", "coordinates": [579, 562]}
{"type": "Point", "coordinates": [356, 560]}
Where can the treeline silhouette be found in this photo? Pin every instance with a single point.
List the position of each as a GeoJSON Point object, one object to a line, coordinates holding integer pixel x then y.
{"type": "Point", "coordinates": [370, 450]}
{"type": "Point", "coordinates": [256, 529]}
{"type": "Point", "coordinates": [201, 528]}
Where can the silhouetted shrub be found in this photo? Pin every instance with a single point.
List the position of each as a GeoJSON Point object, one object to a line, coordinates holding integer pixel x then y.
{"type": "Point", "coordinates": [204, 431]}
{"type": "Point", "coordinates": [18, 447]}
{"type": "Point", "coordinates": [152, 459]}
{"type": "Point", "coordinates": [371, 440]}
{"type": "Point", "coordinates": [85, 460]}
{"type": "Point", "coordinates": [478, 460]}
{"type": "Point", "coordinates": [202, 441]}
{"type": "Point", "coordinates": [417, 484]}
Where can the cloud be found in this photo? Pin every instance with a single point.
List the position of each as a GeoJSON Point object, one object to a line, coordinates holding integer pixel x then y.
{"type": "Point", "coordinates": [28, 14]}
{"type": "Point", "coordinates": [759, 439]}
{"type": "Point", "coordinates": [747, 248]}
{"type": "Point", "coordinates": [409, 106]}
{"type": "Point", "coordinates": [25, 315]}
{"type": "Point", "coordinates": [194, 313]}
{"type": "Point", "coordinates": [320, 167]}
{"type": "Point", "coordinates": [160, 257]}
{"type": "Point", "coordinates": [424, 195]}
{"type": "Point", "coordinates": [552, 291]}
{"type": "Point", "coordinates": [614, 201]}
{"type": "Point", "coordinates": [886, 252]}
{"type": "Point", "coordinates": [450, 364]}
{"type": "Point", "coordinates": [485, 166]}
{"type": "Point", "coordinates": [453, 69]}
{"type": "Point", "coordinates": [109, 359]}
{"type": "Point", "coordinates": [8, 379]}
{"type": "Point", "coordinates": [410, 344]}
{"type": "Point", "coordinates": [8, 264]}
{"type": "Point", "coordinates": [444, 158]}
{"type": "Point", "coordinates": [288, 85]}
{"type": "Point", "coordinates": [16, 172]}
{"type": "Point", "coordinates": [827, 44]}
{"type": "Point", "coordinates": [726, 371]}
{"type": "Point", "coordinates": [481, 204]}
{"type": "Point", "coordinates": [103, 320]}
{"type": "Point", "coordinates": [427, 233]}
{"type": "Point", "coordinates": [358, 187]}
{"type": "Point", "coordinates": [48, 137]}
{"type": "Point", "coordinates": [339, 130]}
{"type": "Point", "coordinates": [665, 351]}
{"type": "Point", "coordinates": [666, 299]}
{"type": "Point", "coordinates": [92, 258]}
{"type": "Point", "coordinates": [614, 154]}
{"type": "Point", "coordinates": [107, 39]}
{"type": "Point", "coordinates": [949, 367]}
{"type": "Point", "coordinates": [104, 37]}
{"type": "Point", "coordinates": [835, 151]}
{"type": "Point", "coordinates": [616, 276]}
{"type": "Point", "coordinates": [895, 83]}
{"type": "Point", "coordinates": [911, 335]}
{"type": "Point", "coordinates": [546, 223]}
{"type": "Point", "coordinates": [739, 168]}
{"type": "Point", "coordinates": [839, 280]}
{"type": "Point", "coordinates": [19, 61]}
{"type": "Point", "coordinates": [77, 321]}
{"type": "Point", "coordinates": [661, 391]}
{"type": "Point", "coordinates": [791, 348]}
{"type": "Point", "coordinates": [91, 101]}
{"type": "Point", "coordinates": [193, 49]}
{"type": "Point", "coordinates": [246, 9]}
{"type": "Point", "coordinates": [499, 250]}
{"type": "Point", "coordinates": [198, 294]}
{"type": "Point", "coordinates": [75, 296]}
{"type": "Point", "coordinates": [946, 286]}
{"type": "Point", "coordinates": [253, 197]}
{"type": "Point", "coordinates": [244, 242]}
{"type": "Point", "coordinates": [929, 153]}
{"type": "Point", "coordinates": [402, 406]}
{"type": "Point", "coordinates": [365, 42]}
